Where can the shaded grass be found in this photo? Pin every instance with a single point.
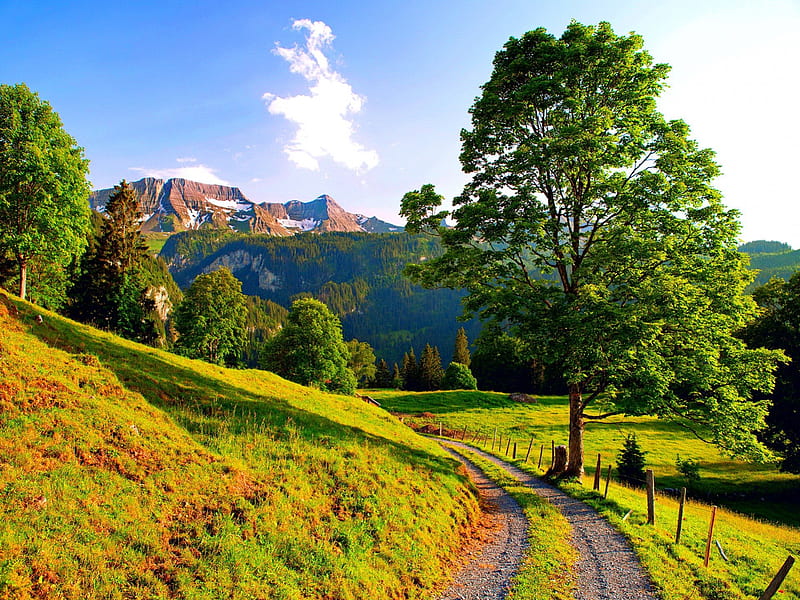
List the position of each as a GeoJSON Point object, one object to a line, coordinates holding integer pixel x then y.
{"type": "Point", "coordinates": [128, 472]}
{"type": "Point", "coordinates": [756, 549]}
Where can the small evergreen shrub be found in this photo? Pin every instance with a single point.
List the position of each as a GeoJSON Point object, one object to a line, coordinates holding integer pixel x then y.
{"type": "Point", "coordinates": [630, 462]}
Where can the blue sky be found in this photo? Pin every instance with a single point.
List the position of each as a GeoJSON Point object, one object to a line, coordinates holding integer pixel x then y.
{"type": "Point", "coordinates": [365, 100]}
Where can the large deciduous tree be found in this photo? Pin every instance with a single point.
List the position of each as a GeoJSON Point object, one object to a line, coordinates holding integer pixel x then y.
{"type": "Point", "coordinates": [591, 225]}
{"type": "Point", "coordinates": [43, 188]}
{"type": "Point", "coordinates": [310, 349]}
{"type": "Point", "coordinates": [212, 318]}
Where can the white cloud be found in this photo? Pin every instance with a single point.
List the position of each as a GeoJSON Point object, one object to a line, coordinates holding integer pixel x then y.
{"type": "Point", "coordinates": [186, 159]}
{"type": "Point", "coordinates": [324, 126]}
{"type": "Point", "coordinates": [199, 173]}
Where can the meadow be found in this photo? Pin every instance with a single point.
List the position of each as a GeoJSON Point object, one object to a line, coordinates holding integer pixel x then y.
{"type": "Point", "coordinates": [755, 549]}
{"type": "Point", "coordinates": [129, 472]}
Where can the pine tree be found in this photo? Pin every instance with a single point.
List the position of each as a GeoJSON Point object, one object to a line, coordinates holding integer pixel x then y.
{"type": "Point", "coordinates": [111, 291]}
{"type": "Point", "coordinates": [630, 462]}
{"type": "Point", "coordinates": [461, 349]}
{"type": "Point", "coordinates": [430, 369]}
{"type": "Point", "coordinates": [410, 371]}
{"type": "Point", "coordinates": [383, 376]}
{"type": "Point", "coordinates": [397, 379]}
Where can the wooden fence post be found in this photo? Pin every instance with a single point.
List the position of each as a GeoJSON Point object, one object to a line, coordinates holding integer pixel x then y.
{"type": "Point", "coordinates": [778, 579]}
{"type": "Point", "coordinates": [440, 429]}
{"type": "Point", "coordinates": [608, 479]}
{"type": "Point", "coordinates": [500, 442]}
{"type": "Point", "coordinates": [514, 455]}
{"type": "Point", "coordinates": [508, 445]}
{"type": "Point", "coordinates": [710, 534]}
{"type": "Point", "coordinates": [528, 453]}
{"type": "Point", "coordinates": [651, 497]}
{"type": "Point", "coordinates": [464, 434]}
{"type": "Point", "coordinates": [597, 471]}
{"type": "Point", "coordinates": [552, 453]}
{"type": "Point", "coordinates": [494, 435]}
{"type": "Point", "coordinates": [541, 451]}
{"type": "Point", "coordinates": [680, 516]}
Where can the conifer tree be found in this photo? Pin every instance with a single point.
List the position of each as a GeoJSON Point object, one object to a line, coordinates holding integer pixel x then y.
{"type": "Point", "coordinates": [430, 369]}
{"type": "Point", "coordinates": [111, 291]}
{"type": "Point", "coordinates": [410, 371]}
{"type": "Point", "coordinates": [383, 376]}
{"type": "Point", "coordinates": [461, 349]}
{"type": "Point", "coordinates": [397, 379]}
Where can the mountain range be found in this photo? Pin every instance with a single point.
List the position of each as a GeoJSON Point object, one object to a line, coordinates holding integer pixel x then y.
{"type": "Point", "coordinates": [174, 205]}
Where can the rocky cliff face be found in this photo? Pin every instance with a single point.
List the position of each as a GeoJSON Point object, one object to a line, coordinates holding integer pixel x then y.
{"type": "Point", "coordinates": [180, 204]}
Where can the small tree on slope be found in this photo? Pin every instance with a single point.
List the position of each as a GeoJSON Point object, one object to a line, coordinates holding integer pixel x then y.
{"type": "Point", "coordinates": [310, 350]}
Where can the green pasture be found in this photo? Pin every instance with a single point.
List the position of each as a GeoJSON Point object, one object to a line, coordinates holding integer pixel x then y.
{"type": "Point", "coordinates": [755, 549]}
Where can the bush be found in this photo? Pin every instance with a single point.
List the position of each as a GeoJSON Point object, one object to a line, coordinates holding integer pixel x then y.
{"type": "Point", "coordinates": [630, 462]}
{"type": "Point", "coordinates": [458, 377]}
{"type": "Point", "coordinates": [689, 468]}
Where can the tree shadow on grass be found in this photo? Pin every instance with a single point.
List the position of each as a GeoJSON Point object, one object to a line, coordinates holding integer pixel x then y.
{"type": "Point", "coordinates": [191, 390]}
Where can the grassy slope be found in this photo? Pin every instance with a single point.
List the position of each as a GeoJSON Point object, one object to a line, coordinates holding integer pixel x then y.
{"type": "Point", "coordinates": [127, 472]}
{"type": "Point", "coordinates": [756, 550]}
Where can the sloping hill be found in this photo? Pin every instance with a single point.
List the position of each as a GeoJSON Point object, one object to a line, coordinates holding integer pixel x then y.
{"type": "Point", "coordinates": [771, 259]}
{"type": "Point", "coordinates": [127, 472]}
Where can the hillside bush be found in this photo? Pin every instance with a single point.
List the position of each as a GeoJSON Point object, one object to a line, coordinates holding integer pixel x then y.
{"type": "Point", "coordinates": [458, 377]}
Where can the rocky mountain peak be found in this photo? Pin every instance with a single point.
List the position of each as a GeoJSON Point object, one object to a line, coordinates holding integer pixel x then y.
{"type": "Point", "coordinates": [180, 204]}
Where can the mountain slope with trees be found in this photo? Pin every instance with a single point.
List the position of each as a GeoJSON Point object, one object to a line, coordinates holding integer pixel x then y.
{"type": "Point", "coordinates": [358, 275]}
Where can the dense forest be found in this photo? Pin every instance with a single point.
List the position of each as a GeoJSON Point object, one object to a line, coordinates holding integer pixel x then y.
{"type": "Point", "coordinates": [771, 259]}
{"type": "Point", "coordinates": [359, 276]}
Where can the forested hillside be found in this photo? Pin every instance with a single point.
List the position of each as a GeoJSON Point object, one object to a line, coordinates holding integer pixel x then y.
{"type": "Point", "coordinates": [359, 276]}
{"type": "Point", "coordinates": [772, 259]}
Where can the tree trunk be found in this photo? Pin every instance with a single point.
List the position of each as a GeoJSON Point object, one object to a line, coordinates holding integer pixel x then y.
{"type": "Point", "coordinates": [23, 278]}
{"type": "Point", "coordinates": [576, 423]}
{"type": "Point", "coordinates": [559, 466]}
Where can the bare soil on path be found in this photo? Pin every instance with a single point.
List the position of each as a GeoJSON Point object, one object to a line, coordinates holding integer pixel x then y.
{"type": "Point", "coordinates": [607, 569]}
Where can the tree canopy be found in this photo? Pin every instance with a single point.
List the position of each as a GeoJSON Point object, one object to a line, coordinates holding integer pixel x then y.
{"type": "Point", "coordinates": [310, 349]}
{"type": "Point", "coordinates": [44, 212]}
{"type": "Point", "coordinates": [211, 319]}
{"type": "Point", "coordinates": [590, 224]}
{"type": "Point", "coordinates": [778, 326]}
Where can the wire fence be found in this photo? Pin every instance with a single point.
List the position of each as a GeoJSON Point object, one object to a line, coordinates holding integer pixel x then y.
{"type": "Point", "coordinates": [529, 452]}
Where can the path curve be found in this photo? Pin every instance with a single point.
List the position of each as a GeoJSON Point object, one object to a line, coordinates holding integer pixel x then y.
{"type": "Point", "coordinates": [488, 573]}
{"type": "Point", "coordinates": [608, 568]}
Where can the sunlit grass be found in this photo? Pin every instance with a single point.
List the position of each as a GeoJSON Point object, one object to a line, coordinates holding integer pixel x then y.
{"type": "Point", "coordinates": [755, 549]}
{"type": "Point", "coordinates": [128, 472]}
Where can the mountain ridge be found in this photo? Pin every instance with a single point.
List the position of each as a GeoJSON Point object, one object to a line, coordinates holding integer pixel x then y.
{"type": "Point", "coordinates": [176, 204]}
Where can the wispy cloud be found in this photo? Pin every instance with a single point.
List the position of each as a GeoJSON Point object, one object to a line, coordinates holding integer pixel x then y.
{"type": "Point", "coordinates": [200, 173]}
{"type": "Point", "coordinates": [186, 159]}
{"type": "Point", "coordinates": [323, 117]}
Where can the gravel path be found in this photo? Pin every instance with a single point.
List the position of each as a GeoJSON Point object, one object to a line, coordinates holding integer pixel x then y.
{"type": "Point", "coordinates": [491, 566]}
{"type": "Point", "coordinates": [607, 568]}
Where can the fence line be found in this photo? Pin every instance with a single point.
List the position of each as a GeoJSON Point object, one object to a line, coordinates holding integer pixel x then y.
{"type": "Point", "coordinates": [651, 493]}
